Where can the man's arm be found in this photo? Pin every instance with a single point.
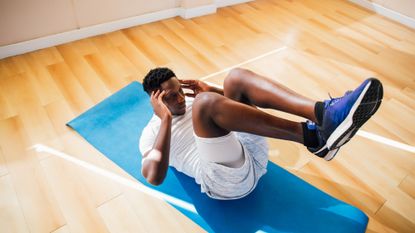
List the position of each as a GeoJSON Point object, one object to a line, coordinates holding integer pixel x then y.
{"type": "Point", "coordinates": [216, 89]}
{"type": "Point", "coordinates": [198, 86]}
{"type": "Point", "coordinates": [156, 161]}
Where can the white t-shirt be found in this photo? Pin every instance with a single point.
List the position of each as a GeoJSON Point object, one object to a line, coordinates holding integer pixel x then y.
{"type": "Point", "coordinates": [216, 180]}
{"type": "Point", "coordinates": [183, 151]}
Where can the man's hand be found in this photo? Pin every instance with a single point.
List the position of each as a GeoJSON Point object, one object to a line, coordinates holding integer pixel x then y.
{"type": "Point", "coordinates": [196, 86]}
{"type": "Point", "coordinates": [159, 107]}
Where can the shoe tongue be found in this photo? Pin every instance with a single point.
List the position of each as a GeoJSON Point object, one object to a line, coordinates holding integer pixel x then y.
{"type": "Point", "coordinates": [332, 101]}
{"type": "Point", "coordinates": [335, 100]}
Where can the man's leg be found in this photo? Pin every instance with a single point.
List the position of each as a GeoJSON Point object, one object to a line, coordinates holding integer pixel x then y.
{"type": "Point", "coordinates": [339, 118]}
{"type": "Point", "coordinates": [215, 115]}
{"type": "Point", "coordinates": [248, 87]}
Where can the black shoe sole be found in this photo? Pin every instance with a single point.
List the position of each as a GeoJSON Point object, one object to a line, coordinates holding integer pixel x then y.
{"type": "Point", "coordinates": [367, 108]}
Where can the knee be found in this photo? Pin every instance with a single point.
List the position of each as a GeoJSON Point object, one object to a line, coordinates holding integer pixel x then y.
{"type": "Point", "coordinates": [236, 75]}
{"type": "Point", "coordinates": [205, 101]}
{"type": "Point", "coordinates": [236, 78]}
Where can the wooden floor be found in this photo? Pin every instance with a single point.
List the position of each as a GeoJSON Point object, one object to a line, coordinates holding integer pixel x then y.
{"type": "Point", "coordinates": [331, 46]}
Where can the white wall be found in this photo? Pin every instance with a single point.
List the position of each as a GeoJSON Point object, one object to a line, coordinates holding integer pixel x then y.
{"type": "Point", "coordinates": [23, 20]}
{"type": "Point", "coordinates": [91, 12]}
{"type": "Point", "coordinates": [28, 19]}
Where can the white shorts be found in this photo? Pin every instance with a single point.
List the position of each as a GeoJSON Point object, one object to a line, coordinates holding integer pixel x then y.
{"type": "Point", "coordinates": [220, 181]}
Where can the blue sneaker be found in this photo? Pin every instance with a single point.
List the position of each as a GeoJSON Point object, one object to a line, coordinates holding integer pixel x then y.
{"type": "Point", "coordinates": [343, 116]}
{"type": "Point", "coordinates": [321, 150]}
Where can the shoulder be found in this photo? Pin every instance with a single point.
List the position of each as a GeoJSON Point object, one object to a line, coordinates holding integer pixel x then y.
{"type": "Point", "coordinates": [154, 120]}
{"type": "Point", "coordinates": [149, 134]}
{"type": "Point", "coordinates": [152, 125]}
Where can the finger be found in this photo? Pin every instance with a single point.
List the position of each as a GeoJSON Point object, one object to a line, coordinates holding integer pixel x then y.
{"type": "Point", "coordinates": [187, 86]}
{"type": "Point", "coordinates": [162, 94]}
{"type": "Point", "coordinates": [156, 94]}
{"type": "Point", "coordinates": [190, 84]}
{"type": "Point", "coordinates": [184, 81]}
{"type": "Point", "coordinates": [188, 81]}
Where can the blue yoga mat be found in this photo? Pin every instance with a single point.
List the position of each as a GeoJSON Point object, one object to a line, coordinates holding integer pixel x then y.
{"type": "Point", "coordinates": [281, 202]}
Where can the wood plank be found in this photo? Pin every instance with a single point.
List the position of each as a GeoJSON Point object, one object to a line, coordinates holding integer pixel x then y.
{"type": "Point", "coordinates": [3, 165]}
{"type": "Point", "coordinates": [6, 109]}
{"type": "Point", "coordinates": [11, 217]}
{"type": "Point", "coordinates": [140, 39]}
{"type": "Point", "coordinates": [98, 188]}
{"type": "Point", "coordinates": [41, 80]}
{"type": "Point", "coordinates": [48, 56]}
{"type": "Point", "coordinates": [9, 67]}
{"type": "Point", "coordinates": [59, 114]}
{"type": "Point", "coordinates": [70, 88]}
{"type": "Point", "coordinates": [398, 212]}
{"type": "Point", "coordinates": [119, 216]}
{"type": "Point", "coordinates": [85, 47]}
{"type": "Point", "coordinates": [156, 215]}
{"type": "Point", "coordinates": [336, 180]}
{"type": "Point", "coordinates": [63, 229]}
{"type": "Point", "coordinates": [408, 185]}
{"type": "Point", "coordinates": [108, 74]}
{"type": "Point", "coordinates": [396, 123]}
{"type": "Point", "coordinates": [130, 51]}
{"type": "Point", "coordinates": [120, 64]}
{"type": "Point", "coordinates": [39, 206]}
{"type": "Point", "coordinates": [23, 97]}
{"type": "Point", "coordinates": [201, 43]}
{"type": "Point", "coordinates": [18, 92]}
{"type": "Point", "coordinates": [87, 77]}
{"type": "Point", "coordinates": [76, 205]}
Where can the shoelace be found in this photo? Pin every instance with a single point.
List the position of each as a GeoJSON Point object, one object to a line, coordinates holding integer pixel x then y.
{"type": "Point", "coordinates": [333, 101]}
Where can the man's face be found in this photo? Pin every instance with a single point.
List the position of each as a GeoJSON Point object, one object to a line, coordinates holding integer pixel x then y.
{"type": "Point", "coordinates": [174, 97]}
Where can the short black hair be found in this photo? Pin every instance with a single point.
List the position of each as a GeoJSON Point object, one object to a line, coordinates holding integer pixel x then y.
{"type": "Point", "coordinates": [156, 77]}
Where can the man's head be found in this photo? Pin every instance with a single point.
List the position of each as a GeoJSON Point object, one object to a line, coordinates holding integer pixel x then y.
{"type": "Point", "coordinates": [164, 79]}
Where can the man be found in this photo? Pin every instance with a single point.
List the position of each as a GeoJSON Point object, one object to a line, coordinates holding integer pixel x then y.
{"type": "Point", "coordinates": [217, 137]}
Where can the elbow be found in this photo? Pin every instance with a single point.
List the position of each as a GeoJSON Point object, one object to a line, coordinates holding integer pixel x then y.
{"type": "Point", "coordinates": [155, 181]}
{"type": "Point", "coordinates": [152, 173]}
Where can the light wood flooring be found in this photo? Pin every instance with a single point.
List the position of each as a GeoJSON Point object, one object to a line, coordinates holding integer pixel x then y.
{"type": "Point", "coordinates": [331, 46]}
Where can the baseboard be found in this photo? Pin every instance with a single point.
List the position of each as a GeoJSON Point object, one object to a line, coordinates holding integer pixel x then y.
{"type": "Point", "coordinates": [197, 11]}
{"type": "Point", "coordinates": [391, 14]}
{"type": "Point", "coordinates": [223, 3]}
